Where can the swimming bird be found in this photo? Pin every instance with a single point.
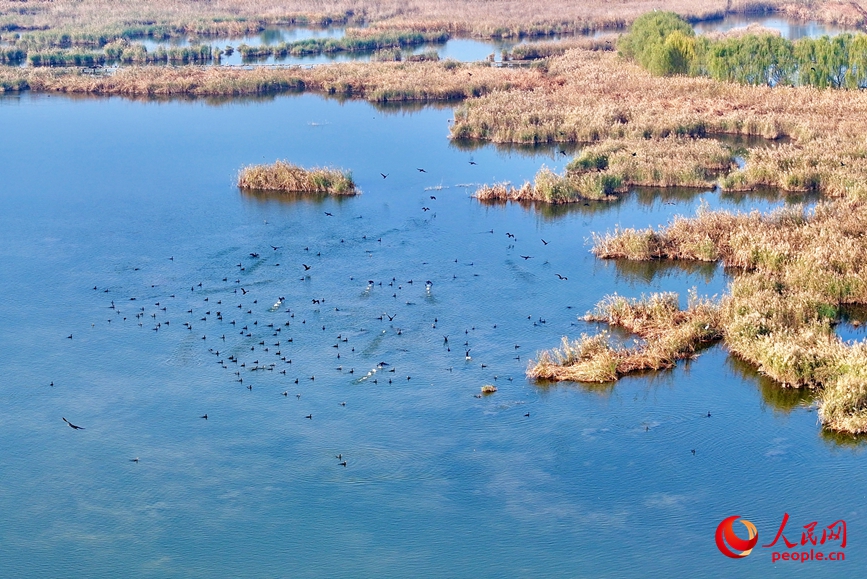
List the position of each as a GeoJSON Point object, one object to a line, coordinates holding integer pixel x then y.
{"type": "Point", "coordinates": [134, 459]}
{"type": "Point", "coordinates": [205, 416]}
{"type": "Point", "coordinates": [309, 417]}
{"type": "Point", "coordinates": [71, 425]}
{"type": "Point", "coordinates": [342, 463]}
{"type": "Point", "coordinates": [527, 415]}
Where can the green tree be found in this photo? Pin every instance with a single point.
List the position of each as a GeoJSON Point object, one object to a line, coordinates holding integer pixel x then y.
{"type": "Point", "coordinates": [676, 54]}
{"type": "Point", "coordinates": [648, 34]}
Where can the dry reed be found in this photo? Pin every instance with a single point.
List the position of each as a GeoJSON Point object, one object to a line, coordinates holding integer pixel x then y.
{"type": "Point", "coordinates": [605, 169]}
{"type": "Point", "coordinates": [668, 334]}
{"type": "Point", "coordinates": [793, 270]}
{"type": "Point", "coordinates": [503, 18]}
{"type": "Point", "coordinates": [375, 81]}
{"type": "Point", "coordinates": [284, 176]}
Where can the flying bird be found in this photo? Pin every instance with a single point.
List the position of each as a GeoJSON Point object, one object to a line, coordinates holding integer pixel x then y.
{"type": "Point", "coordinates": [72, 426]}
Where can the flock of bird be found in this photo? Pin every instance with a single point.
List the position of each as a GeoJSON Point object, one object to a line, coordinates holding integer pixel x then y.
{"type": "Point", "coordinates": [248, 331]}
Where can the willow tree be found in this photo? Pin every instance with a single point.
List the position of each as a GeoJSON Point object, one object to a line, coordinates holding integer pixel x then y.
{"type": "Point", "coordinates": [647, 42]}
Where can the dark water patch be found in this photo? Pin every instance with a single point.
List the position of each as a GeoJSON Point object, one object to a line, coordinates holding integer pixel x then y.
{"type": "Point", "coordinates": [648, 270]}
{"type": "Point", "coordinates": [668, 201]}
{"type": "Point", "coordinates": [774, 395]}
{"type": "Point", "coordinates": [559, 151]}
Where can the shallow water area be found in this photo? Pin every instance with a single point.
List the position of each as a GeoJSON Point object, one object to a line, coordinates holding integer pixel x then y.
{"type": "Point", "coordinates": [456, 48]}
{"type": "Point", "coordinates": [788, 29]}
{"type": "Point", "coordinates": [138, 201]}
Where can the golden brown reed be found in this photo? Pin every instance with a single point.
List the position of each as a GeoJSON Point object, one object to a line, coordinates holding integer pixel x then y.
{"type": "Point", "coordinates": [595, 96]}
{"type": "Point", "coordinates": [668, 334]}
{"type": "Point", "coordinates": [794, 269]}
{"type": "Point", "coordinates": [376, 81]}
{"type": "Point", "coordinates": [494, 17]}
{"type": "Point", "coordinates": [284, 176]}
{"type": "Point", "coordinates": [604, 169]}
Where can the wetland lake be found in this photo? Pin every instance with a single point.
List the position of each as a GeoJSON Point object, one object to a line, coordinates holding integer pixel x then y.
{"type": "Point", "coordinates": [137, 199]}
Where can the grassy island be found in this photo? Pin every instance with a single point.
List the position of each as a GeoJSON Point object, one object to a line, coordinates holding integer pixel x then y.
{"type": "Point", "coordinates": [289, 178]}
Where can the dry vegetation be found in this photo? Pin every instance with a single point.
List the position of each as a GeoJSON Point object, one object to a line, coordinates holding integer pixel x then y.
{"type": "Point", "coordinates": [284, 176]}
{"type": "Point", "coordinates": [490, 18]}
{"type": "Point", "coordinates": [794, 269]}
{"type": "Point", "coordinates": [613, 166]}
{"type": "Point", "coordinates": [376, 81]}
{"type": "Point", "coordinates": [667, 334]}
{"type": "Point", "coordinates": [594, 96]}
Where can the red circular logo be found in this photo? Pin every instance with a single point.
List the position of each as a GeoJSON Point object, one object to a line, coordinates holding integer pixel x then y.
{"type": "Point", "coordinates": [725, 537]}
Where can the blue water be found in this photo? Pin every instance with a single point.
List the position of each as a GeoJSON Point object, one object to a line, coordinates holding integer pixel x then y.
{"type": "Point", "coordinates": [788, 29]}
{"type": "Point", "coordinates": [461, 49]}
{"type": "Point", "coordinates": [597, 481]}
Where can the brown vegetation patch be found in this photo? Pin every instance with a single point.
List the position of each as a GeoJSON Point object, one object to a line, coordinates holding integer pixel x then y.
{"type": "Point", "coordinates": [668, 334]}
{"type": "Point", "coordinates": [284, 176]}
{"type": "Point", "coordinates": [376, 81]}
{"type": "Point", "coordinates": [794, 269]}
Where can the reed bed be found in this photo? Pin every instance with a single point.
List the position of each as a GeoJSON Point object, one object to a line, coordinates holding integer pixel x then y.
{"type": "Point", "coordinates": [596, 95]}
{"type": "Point", "coordinates": [603, 170]}
{"type": "Point", "coordinates": [794, 269]}
{"type": "Point", "coordinates": [12, 56]}
{"type": "Point", "coordinates": [376, 81]}
{"type": "Point", "coordinates": [667, 334]}
{"type": "Point", "coordinates": [537, 50]}
{"type": "Point", "coordinates": [289, 178]}
{"type": "Point", "coordinates": [504, 18]}
{"type": "Point", "coordinates": [354, 41]}
{"type": "Point", "coordinates": [122, 53]}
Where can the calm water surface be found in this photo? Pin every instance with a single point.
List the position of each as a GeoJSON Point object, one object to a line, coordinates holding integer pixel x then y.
{"type": "Point", "coordinates": [597, 481]}
{"type": "Point", "coordinates": [788, 29]}
{"type": "Point", "coordinates": [461, 49]}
